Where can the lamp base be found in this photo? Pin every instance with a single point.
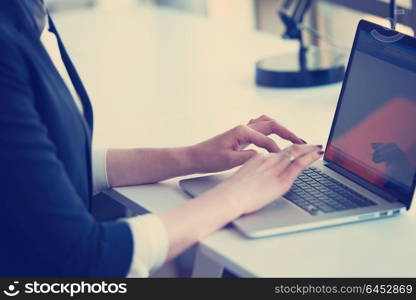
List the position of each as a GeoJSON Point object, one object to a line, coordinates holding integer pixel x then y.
{"type": "Point", "coordinates": [310, 67]}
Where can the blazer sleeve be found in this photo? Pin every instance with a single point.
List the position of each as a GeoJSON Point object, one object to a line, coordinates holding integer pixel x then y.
{"type": "Point", "coordinates": [39, 207]}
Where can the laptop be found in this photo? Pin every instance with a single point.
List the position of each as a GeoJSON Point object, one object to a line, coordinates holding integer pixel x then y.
{"type": "Point", "coordinates": [368, 170]}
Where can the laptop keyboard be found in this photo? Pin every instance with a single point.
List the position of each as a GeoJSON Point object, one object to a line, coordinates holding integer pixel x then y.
{"type": "Point", "coordinates": [316, 192]}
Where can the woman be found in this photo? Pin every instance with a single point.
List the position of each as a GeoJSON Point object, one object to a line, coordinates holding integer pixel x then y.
{"type": "Point", "coordinates": [47, 171]}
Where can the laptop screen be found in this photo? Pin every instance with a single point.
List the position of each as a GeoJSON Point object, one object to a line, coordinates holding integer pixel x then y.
{"type": "Point", "coordinates": [374, 131]}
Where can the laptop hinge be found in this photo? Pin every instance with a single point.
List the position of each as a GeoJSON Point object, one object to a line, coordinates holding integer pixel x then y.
{"type": "Point", "coordinates": [356, 179]}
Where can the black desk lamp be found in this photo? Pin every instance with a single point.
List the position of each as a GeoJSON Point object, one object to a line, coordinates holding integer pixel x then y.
{"type": "Point", "coordinates": [311, 66]}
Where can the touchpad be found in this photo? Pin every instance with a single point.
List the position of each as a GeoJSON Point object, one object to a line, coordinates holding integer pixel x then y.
{"type": "Point", "coordinates": [196, 186]}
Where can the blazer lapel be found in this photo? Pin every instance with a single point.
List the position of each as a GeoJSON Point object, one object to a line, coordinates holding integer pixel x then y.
{"type": "Point", "coordinates": [82, 93]}
{"type": "Point", "coordinates": [73, 74]}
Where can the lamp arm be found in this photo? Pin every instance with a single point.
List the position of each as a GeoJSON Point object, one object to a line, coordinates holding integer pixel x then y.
{"type": "Point", "coordinates": [292, 13]}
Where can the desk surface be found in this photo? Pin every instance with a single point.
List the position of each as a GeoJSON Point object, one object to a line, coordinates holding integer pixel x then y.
{"type": "Point", "coordinates": [163, 78]}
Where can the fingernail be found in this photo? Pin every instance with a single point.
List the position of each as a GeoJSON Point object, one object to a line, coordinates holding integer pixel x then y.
{"type": "Point", "coordinates": [321, 152]}
{"type": "Point", "coordinates": [303, 141]}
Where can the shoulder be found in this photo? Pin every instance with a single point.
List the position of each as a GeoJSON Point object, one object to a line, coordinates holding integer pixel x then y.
{"type": "Point", "coordinates": [12, 61]}
{"type": "Point", "coordinates": [10, 21]}
{"type": "Point", "coordinates": [8, 41]}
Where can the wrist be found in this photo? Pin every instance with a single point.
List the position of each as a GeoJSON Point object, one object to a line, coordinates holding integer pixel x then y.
{"type": "Point", "coordinates": [228, 200]}
{"type": "Point", "coordinates": [193, 159]}
{"type": "Point", "coordinates": [186, 158]}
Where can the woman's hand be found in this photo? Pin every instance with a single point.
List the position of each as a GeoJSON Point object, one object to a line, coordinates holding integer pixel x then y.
{"type": "Point", "coordinates": [261, 180]}
{"type": "Point", "coordinates": [226, 150]}
{"type": "Point", "coordinates": [223, 152]}
{"type": "Point", "coordinates": [264, 178]}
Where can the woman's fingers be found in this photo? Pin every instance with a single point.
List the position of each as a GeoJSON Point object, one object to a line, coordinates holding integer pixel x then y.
{"type": "Point", "coordinates": [298, 150]}
{"type": "Point", "coordinates": [285, 157]}
{"type": "Point", "coordinates": [247, 135]}
{"type": "Point", "coordinates": [261, 118]}
{"type": "Point", "coordinates": [258, 180]}
{"type": "Point", "coordinates": [269, 126]}
{"type": "Point", "coordinates": [299, 164]}
{"type": "Point", "coordinates": [240, 157]}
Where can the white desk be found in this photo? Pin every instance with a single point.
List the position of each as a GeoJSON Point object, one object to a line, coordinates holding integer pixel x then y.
{"type": "Point", "coordinates": [163, 78]}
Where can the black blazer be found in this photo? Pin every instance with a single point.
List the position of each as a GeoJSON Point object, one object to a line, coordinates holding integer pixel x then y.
{"type": "Point", "coordinates": [46, 228]}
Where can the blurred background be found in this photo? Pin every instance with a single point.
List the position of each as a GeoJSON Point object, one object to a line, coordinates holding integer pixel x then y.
{"type": "Point", "coordinates": [333, 18]}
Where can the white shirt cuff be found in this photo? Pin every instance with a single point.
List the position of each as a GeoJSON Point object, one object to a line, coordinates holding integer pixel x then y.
{"type": "Point", "coordinates": [99, 170]}
{"type": "Point", "coordinates": [150, 244]}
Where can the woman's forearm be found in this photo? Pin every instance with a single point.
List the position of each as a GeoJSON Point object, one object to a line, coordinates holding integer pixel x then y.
{"type": "Point", "coordinates": [197, 218]}
{"type": "Point", "coordinates": [187, 223]}
{"type": "Point", "coordinates": [147, 165]}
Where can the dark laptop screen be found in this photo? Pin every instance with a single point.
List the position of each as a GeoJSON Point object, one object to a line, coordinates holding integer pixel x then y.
{"type": "Point", "coordinates": [374, 131]}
